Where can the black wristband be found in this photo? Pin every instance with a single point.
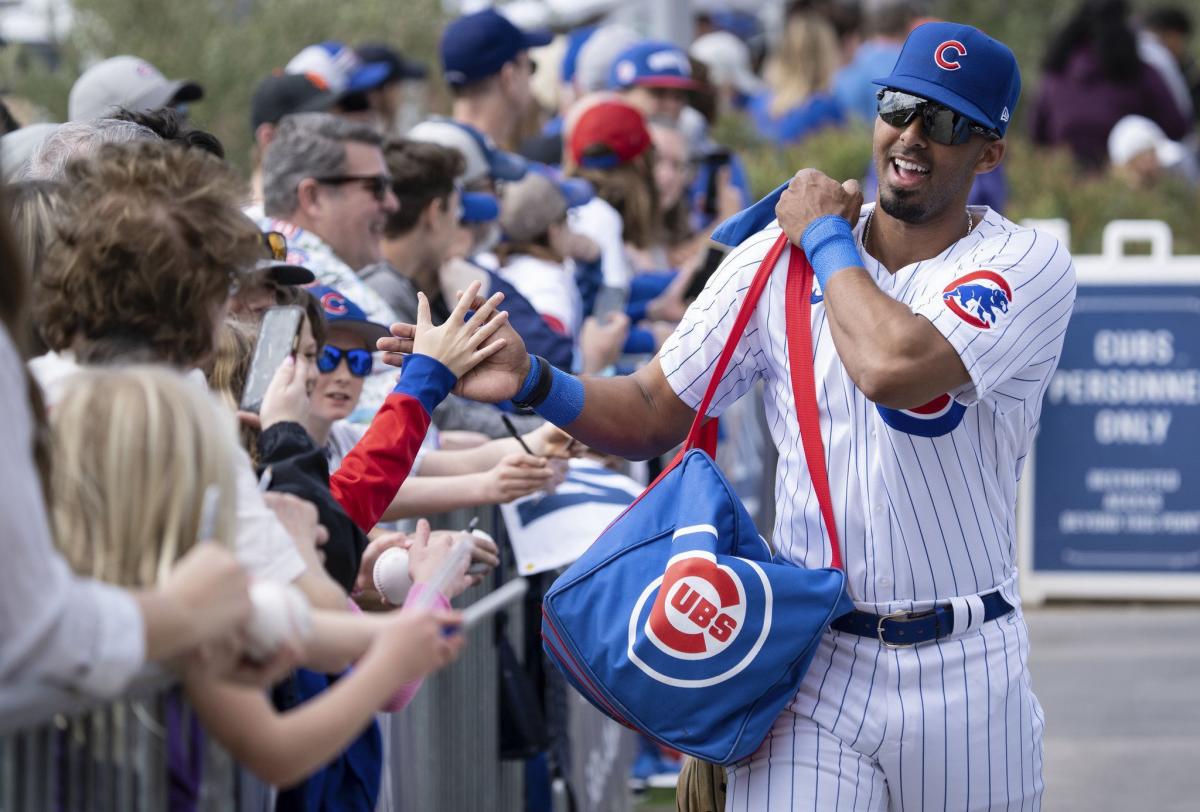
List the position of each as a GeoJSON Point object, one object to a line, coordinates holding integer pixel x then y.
{"type": "Point", "coordinates": [541, 389]}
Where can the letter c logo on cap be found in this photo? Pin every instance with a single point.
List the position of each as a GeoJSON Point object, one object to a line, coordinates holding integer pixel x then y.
{"type": "Point", "coordinates": [945, 59]}
{"type": "Point", "coordinates": [334, 304]}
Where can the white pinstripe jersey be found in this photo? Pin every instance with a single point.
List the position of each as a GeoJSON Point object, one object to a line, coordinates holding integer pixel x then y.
{"type": "Point", "coordinates": [924, 500]}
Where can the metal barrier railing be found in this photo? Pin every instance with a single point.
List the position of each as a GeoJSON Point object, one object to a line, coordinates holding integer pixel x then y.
{"type": "Point", "coordinates": [63, 751]}
{"type": "Point", "coordinates": [455, 719]}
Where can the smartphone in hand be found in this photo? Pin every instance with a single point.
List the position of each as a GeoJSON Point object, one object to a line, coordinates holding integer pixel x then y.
{"type": "Point", "coordinates": [278, 337]}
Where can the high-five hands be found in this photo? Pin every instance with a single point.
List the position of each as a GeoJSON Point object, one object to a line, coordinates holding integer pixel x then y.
{"type": "Point", "coordinates": [500, 367]}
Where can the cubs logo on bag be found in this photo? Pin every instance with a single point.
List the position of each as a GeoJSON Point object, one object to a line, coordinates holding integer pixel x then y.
{"type": "Point", "coordinates": [688, 628]}
{"type": "Point", "coordinates": [699, 605]}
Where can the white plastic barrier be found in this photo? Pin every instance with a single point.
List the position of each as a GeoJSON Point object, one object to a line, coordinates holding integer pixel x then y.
{"type": "Point", "coordinates": [1109, 501]}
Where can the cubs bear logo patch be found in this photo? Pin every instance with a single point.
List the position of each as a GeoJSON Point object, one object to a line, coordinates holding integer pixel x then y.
{"type": "Point", "coordinates": [980, 298]}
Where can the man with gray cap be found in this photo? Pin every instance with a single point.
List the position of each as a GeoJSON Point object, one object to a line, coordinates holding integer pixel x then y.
{"type": "Point", "coordinates": [130, 83]}
{"type": "Point", "coordinates": [484, 162]}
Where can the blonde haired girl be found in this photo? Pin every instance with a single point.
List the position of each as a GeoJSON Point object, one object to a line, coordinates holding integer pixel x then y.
{"type": "Point", "coordinates": [136, 448]}
{"type": "Point", "coordinates": [134, 452]}
{"type": "Point", "coordinates": [798, 100]}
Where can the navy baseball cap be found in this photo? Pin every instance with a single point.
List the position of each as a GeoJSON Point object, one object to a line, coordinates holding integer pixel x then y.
{"type": "Point", "coordinates": [652, 64]}
{"type": "Point", "coordinates": [342, 312]}
{"type": "Point", "coordinates": [478, 45]}
{"type": "Point", "coordinates": [962, 68]}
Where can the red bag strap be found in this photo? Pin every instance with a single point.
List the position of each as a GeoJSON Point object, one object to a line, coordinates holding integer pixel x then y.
{"type": "Point", "coordinates": [703, 434]}
{"type": "Point", "coordinates": [798, 307]}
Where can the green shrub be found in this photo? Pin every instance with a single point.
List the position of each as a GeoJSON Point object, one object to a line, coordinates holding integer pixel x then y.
{"type": "Point", "coordinates": [228, 45]}
{"type": "Point", "coordinates": [225, 45]}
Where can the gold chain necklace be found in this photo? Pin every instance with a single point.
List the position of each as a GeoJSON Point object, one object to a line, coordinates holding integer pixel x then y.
{"type": "Point", "coordinates": [871, 216]}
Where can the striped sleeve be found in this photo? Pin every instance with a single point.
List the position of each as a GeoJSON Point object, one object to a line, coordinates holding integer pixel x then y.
{"type": "Point", "coordinates": [689, 355]}
{"type": "Point", "coordinates": [1004, 307]}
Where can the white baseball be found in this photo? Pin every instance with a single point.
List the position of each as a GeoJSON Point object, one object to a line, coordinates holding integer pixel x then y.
{"type": "Point", "coordinates": [281, 614]}
{"type": "Point", "coordinates": [391, 576]}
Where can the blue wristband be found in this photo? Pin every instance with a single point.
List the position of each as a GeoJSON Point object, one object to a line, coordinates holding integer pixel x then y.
{"type": "Point", "coordinates": [531, 380]}
{"type": "Point", "coordinates": [829, 243]}
{"type": "Point", "coordinates": [565, 402]}
{"type": "Point", "coordinates": [425, 378]}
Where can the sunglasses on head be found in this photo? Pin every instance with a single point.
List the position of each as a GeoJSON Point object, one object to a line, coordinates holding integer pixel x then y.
{"type": "Point", "coordinates": [941, 124]}
{"type": "Point", "coordinates": [358, 361]}
{"type": "Point", "coordinates": [377, 185]}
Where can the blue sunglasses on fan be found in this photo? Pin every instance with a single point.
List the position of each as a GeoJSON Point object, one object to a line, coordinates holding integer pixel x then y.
{"type": "Point", "coordinates": [359, 362]}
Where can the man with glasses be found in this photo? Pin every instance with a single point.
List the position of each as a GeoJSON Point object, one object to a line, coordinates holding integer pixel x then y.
{"type": "Point", "coordinates": [940, 325]}
{"type": "Point", "coordinates": [485, 59]}
{"type": "Point", "coordinates": [327, 190]}
{"type": "Point", "coordinates": [936, 329]}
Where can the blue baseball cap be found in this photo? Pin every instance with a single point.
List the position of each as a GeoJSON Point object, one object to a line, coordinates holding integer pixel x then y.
{"type": "Point", "coordinates": [344, 313]}
{"type": "Point", "coordinates": [478, 207]}
{"type": "Point", "coordinates": [340, 67]}
{"type": "Point", "coordinates": [962, 68]}
{"type": "Point", "coordinates": [652, 64]}
{"type": "Point", "coordinates": [576, 39]}
{"type": "Point", "coordinates": [478, 45]}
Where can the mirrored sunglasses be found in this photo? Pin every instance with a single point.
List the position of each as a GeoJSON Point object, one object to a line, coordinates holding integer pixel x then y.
{"type": "Point", "coordinates": [941, 124]}
{"type": "Point", "coordinates": [358, 361]}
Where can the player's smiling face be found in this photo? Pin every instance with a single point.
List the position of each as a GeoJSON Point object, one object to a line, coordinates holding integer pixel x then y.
{"type": "Point", "coordinates": [918, 178]}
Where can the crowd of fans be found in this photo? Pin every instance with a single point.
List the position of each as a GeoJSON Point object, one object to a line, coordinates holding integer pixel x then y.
{"type": "Point", "coordinates": [570, 190]}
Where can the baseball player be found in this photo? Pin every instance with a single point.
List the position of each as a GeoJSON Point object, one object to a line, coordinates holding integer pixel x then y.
{"type": "Point", "coordinates": [936, 329]}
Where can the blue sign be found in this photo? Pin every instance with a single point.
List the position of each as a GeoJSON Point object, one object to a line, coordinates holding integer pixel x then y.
{"type": "Point", "coordinates": [1117, 470]}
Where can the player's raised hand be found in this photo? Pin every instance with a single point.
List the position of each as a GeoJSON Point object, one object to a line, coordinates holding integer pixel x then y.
{"type": "Point", "coordinates": [812, 194]}
{"type": "Point", "coordinates": [459, 341]}
{"type": "Point", "coordinates": [494, 379]}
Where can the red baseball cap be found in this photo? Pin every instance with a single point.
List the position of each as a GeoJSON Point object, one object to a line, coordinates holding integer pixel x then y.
{"type": "Point", "coordinates": [614, 125]}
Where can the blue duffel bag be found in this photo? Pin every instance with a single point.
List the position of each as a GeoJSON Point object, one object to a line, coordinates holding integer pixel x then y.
{"type": "Point", "coordinates": [679, 621]}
